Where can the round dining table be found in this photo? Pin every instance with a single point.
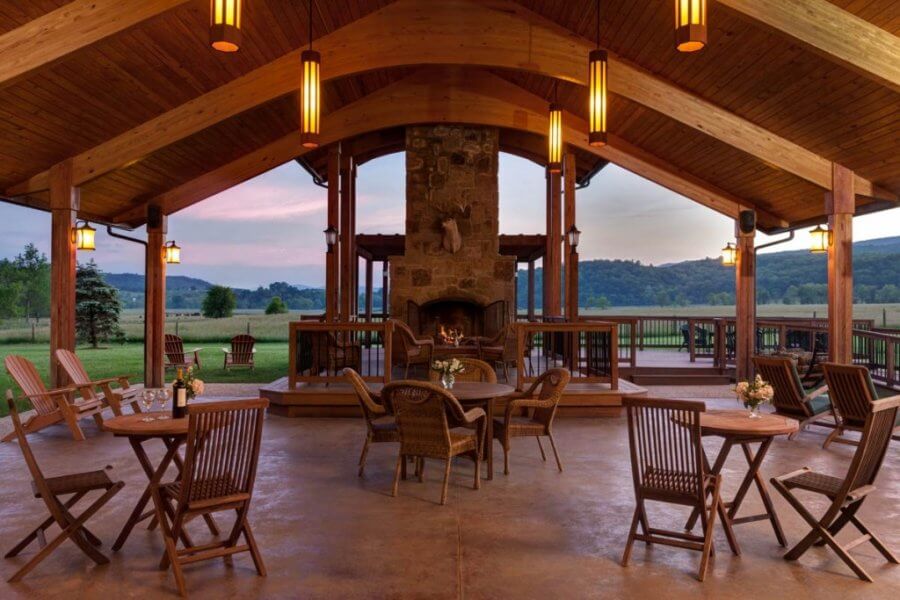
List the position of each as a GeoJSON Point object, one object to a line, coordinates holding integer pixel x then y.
{"type": "Point", "coordinates": [737, 428]}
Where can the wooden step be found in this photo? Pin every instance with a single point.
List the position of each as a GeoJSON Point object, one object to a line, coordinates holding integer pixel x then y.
{"type": "Point", "coordinates": [681, 379]}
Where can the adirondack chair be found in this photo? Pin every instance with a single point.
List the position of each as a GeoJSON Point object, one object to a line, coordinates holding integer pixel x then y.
{"type": "Point", "coordinates": [51, 406]}
{"type": "Point", "coordinates": [175, 355]}
{"type": "Point", "coordinates": [791, 399]}
{"type": "Point", "coordinates": [114, 398]}
{"type": "Point", "coordinates": [243, 347]}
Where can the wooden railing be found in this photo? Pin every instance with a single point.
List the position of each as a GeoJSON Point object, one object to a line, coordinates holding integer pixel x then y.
{"type": "Point", "coordinates": [320, 351]}
{"type": "Point", "coordinates": [880, 353]}
{"type": "Point", "coordinates": [627, 335]}
{"type": "Point", "coordinates": [588, 349]}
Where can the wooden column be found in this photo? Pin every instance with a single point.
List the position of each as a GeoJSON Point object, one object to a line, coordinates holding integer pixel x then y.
{"type": "Point", "coordinates": [552, 257]}
{"type": "Point", "coordinates": [840, 205]}
{"type": "Point", "coordinates": [385, 293]}
{"type": "Point", "coordinates": [355, 263]}
{"type": "Point", "coordinates": [332, 257]}
{"type": "Point", "coordinates": [64, 201]}
{"type": "Point", "coordinates": [745, 295]}
{"type": "Point", "coordinates": [370, 274]}
{"type": "Point", "coordinates": [570, 257]}
{"type": "Point", "coordinates": [348, 253]}
{"type": "Point", "coordinates": [155, 301]}
{"type": "Point", "coordinates": [531, 290]}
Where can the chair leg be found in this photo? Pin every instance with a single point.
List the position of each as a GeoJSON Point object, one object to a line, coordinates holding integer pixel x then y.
{"type": "Point", "coordinates": [555, 452]}
{"type": "Point", "coordinates": [875, 541]}
{"type": "Point", "coordinates": [631, 532]}
{"type": "Point", "coordinates": [708, 526]}
{"type": "Point", "coordinates": [477, 458]}
{"type": "Point", "coordinates": [406, 373]}
{"type": "Point", "coordinates": [171, 555]}
{"type": "Point", "coordinates": [396, 486]}
{"type": "Point", "coordinates": [254, 551]}
{"type": "Point", "coordinates": [362, 457]}
{"type": "Point", "coordinates": [446, 481]}
{"type": "Point", "coordinates": [72, 421]}
{"type": "Point", "coordinates": [506, 457]}
{"type": "Point", "coordinates": [837, 432]}
{"type": "Point", "coordinates": [541, 446]}
{"type": "Point", "coordinates": [38, 532]}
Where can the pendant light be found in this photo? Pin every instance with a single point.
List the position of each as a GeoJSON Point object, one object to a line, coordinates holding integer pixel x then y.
{"type": "Point", "coordinates": [690, 25]}
{"type": "Point", "coordinates": [310, 92]}
{"type": "Point", "coordinates": [598, 64]}
{"type": "Point", "coordinates": [225, 25]}
{"type": "Point", "coordinates": [554, 137]}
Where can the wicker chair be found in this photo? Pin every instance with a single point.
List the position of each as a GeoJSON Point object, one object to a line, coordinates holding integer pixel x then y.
{"type": "Point", "coordinates": [473, 370]}
{"type": "Point", "coordinates": [408, 350]}
{"type": "Point", "coordinates": [852, 390]}
{"type": "Point", "coordinates": [333, 352]}
{"type": "Point", "coordinates": [791, 399]}
{"type": "Point", "coordinates": [502, 349]}
{"type": "Point", "coordinates": [667, 466]}
{"type": "Point", "coordinates": [845, 495]}
{"type": "Point", "coordinates": [176, 357]}
{"type": "Point", "coordinates": [421, 410]}
{"type": "Point", "coordinates": [379, 426]}
{"type": "Point", "coordinates": [543, 405]}
{"type": "Point", "coordinates": [243, 347]}
{"type": "Point", "coordinates": [52, 490]}
{"type": "Point", "coordinates": [112, 397]}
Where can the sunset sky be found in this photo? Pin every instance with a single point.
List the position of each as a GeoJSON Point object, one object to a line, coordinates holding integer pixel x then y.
{"type": "Point", "coordinates": [270, 228]}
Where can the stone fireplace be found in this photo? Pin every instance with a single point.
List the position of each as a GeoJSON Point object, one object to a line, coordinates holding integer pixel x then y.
{"type": "Point", "coordinates": [451, 271]}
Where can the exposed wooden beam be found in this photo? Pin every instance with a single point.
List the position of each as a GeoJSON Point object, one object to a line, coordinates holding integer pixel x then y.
{"type": "Point", "coordinates": [69, 28]}
{"type": "Point", "coordinates": [494, 33]}
{"type": "Point", "coordinates": [451, 96]}
{"type": "Point", "coordinates": [832, 32]}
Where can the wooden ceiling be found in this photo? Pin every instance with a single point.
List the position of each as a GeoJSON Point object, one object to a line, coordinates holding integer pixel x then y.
{"type": "Point", "coordinates": [132, 94]}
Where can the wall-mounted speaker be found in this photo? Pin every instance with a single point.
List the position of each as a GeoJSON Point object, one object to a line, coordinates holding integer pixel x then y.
{"type": "Point", "coordinates": [747, 221]}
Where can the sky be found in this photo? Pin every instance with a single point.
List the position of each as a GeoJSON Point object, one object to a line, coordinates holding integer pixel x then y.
{"type": "Point", "coordinates": [270, 228]}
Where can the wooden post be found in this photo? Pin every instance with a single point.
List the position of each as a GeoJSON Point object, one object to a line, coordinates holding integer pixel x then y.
{"type": "Point", "coordinates": [571, 257]}
{"type": "Point", "coordinates": [552, 257]}
{"type": "Point", "coordinates": [155, 301]}
{"type": "Point", "coordinates": [531, 290]}
{"type": "Point", "coordinates": [840, 205]}
{"type": "Point", "coordinates": [64, 202]}
{"type": "Point", "coordinates": [745, 295]}
{"type": "Point", "coordinates": [354, 265]}
{"type": "Point", "coordinates": [347, 253]}
{"type": "Point", "coordinates": [369, 289]}
{"type": "Point", "coordinates": [385, 295]}
{"type": "Point", "coordinates": [332, 257]}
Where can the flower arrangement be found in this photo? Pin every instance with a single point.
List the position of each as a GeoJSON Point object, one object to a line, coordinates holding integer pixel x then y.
{"type": "Point", "coordinates": [753, 394]}
{"type": "Point", "coordinates": [193, 384]}
{"type": "Point", "coordinates": [448, 370]}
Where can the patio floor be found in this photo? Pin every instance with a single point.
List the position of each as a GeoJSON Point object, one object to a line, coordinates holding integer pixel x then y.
{"type": "Point", "coordinates": [535, 533]}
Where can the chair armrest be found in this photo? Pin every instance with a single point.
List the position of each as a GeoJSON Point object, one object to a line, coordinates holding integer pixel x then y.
{"type": "Point", "coordinates": [196, 349]}
{"type": "Point", "coordinates": [786, 476]}
{"type": "Point", "coordinates": [423, 342]}
{"type": "Point", "coordinates": [815, 393]}
{"type": "Point", "coordinates": [253, 351]}
{"type": "Point", "coordinates": [226, 350]}
{"type": "Point", "coordinates": [56, 392]}
{"type": "Point", "coordinates": [472, 415]}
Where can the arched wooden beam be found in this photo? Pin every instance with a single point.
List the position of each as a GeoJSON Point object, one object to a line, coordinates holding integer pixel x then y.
{"type": "Point", "coordinates": [487, 33]}
{"type": "Point", "coordinates": [451, 96]}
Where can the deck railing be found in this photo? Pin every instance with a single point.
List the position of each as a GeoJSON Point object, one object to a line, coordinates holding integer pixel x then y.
{"type": "Point", "coordinates": [880, 353]}
{"type": "Point", "coordinates": [320, 351]}
{"type": "Point", "coordinates": [589, 350]}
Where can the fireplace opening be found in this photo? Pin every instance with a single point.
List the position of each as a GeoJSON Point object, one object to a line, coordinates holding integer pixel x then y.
{"type": "Point", "coordinates": [446, 318]}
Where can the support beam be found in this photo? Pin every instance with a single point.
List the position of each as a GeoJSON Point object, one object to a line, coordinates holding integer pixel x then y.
{"type": "Point", "coordinates": [385, 295]}
{"type": "Point", "coordinates": [745, 296]}
{"type": "Point", "coordinates": [840, 206]}
{"type": "Point", "coordinates": [69, 28]}
{"type": "Point", "coordinates": [370, 290]}
{"type": "Point", "coordinates": [155, 302]}
{"type": "Point", "coordinates": [553, 257]}
{"type": "Point", "coordinates": [64, 200]}
{"type": "Point", "coordinates": [332, 256]}
{"type": "Point", "coordinates": [569, 254]}
{"type": "Point", "coordinates": [831, 32]}
{"type": "Point", "coordinates": [531, 290]}
{"type": "Point", "coordinates": [347, 235]}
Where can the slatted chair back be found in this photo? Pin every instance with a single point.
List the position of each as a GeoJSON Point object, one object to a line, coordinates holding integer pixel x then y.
{"type": "Point", "coordinates": [781, 373]}
{"type": "Point", "coordinates": [473, 370]}
{"type": "Point", "coordinates": [852, 391]}
{"type": "Point", "coordinates": [174, 347]}
{"type": "Point", "coordinates": [36, 474]}
{"type": "Point", "coordinates": [27, 378]}
{"type": "Point", "coordinates": [242, 349]}
{"type": "Point", "coordinates": [873, 445]}
{"type": "Point", "coordinates": [72, 366]}
{"type": "Point", "coordinates": [222, 451]}
{"type": "Point", "coordinates": [421, 412]}
{"type": "Point", "coordinates": [666, 450]}
{"type": "Point", "coordinates": [371, 408]}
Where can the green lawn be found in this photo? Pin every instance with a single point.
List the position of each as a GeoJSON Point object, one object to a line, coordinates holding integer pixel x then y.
{"type": "Point", "coordinates": [271, 363]}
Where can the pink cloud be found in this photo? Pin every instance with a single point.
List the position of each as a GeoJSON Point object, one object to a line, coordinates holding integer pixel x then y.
{"type": "Point", "coordinates": [260, 203]}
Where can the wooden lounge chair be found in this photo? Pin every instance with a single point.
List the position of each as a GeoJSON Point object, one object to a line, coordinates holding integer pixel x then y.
{"type": "Point", "coordinates": [852, 390]}
{"type": "Point", "coordinates": [243, 347]}
{"type": "Point", "coordinates": [176, 358]}
{"type": "Point", "coordinates": [846, 495]}
{"type": "Point", "coordinates": [114, 398]}
{"type": "Point", "coordinates": [791, 399]}
{"type": "Point", "coordinates": [53, 491]}
{"type": "Point", "coordinates": [473, 370]}
{"type": "Point", "coordinates": [542, 405]}
{"type": "Point", "coordinates": [51, 406]}
{"type": "Point", "coordinates": [379, 426]}
{"type": "Point", "coordinates": [218, 475]}
{"type": "Point", "coordinates": [421, 410]}
{"type": "Point", "coordinates": [408, 350]}
{"type": "Point", "coordinates": [667, 466]}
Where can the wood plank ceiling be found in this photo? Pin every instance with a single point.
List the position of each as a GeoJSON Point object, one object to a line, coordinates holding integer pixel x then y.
{"type": "Point", "coordinates": [758, 74]}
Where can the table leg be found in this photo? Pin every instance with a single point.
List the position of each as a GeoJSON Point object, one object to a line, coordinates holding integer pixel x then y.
{"type": "Point", "coordinates": [755, 462]}
{"type": "Point", "coordinates": [714, 470]}
{"type": "Point", "coordinates": [489, 441]}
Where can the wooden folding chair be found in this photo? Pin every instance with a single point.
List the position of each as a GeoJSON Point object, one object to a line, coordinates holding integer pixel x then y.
{"type": "Point", "coordinates": [852, 390]}
{"type": "Point", "coordinates": [176, 357]}
{"type": "Point", "coordinates": [847, 494]}
{"type": "Point", "coordinates": [667, 466]}
{"type": "Point", "coordinates": [51, 406]}
{"type": "Point", "coordinates": [52, 491]}
{"type": "Point", "coordinates": [243, 347]}
{"type": "Point", "coordinates": [112, 397]}
{"type": "Point", "coordinates": [791, 399]}
{"type": "Point", "coordinates": [218, 475]}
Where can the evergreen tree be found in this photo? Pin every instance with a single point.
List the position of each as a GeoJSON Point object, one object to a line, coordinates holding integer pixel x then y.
{"type": "Point", "coordinates": [276, 306]}
{"type": "Point", "coordinates": [219, 302]}
{"type": "Point", "coordinates": [97, 306]}
{"type": "Point", "coordinates": [34, 277]}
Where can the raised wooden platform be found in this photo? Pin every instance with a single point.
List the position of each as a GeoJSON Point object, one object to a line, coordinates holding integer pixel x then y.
{"type": "Point", "coordinates": [339, 400]}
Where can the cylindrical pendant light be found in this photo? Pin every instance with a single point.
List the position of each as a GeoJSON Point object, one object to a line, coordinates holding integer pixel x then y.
{"type": "Point", "coordinates": [555, 140]}
{"type": "Point", "coordinates": [598, 64]}
{"type": "Point", "coordinates": [690, 25]}
{"type": "Point", "coordinates": [310, 92]}
{"type": "Point", "coordinates": [225, 25]}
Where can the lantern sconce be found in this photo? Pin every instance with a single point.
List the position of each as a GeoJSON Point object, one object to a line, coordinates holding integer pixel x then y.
{"type": "Point", "coordinates": [573, 235]}
{"type": "Point", "coordinates": [690, 25]}
{"type": "Point", "coordinates": [820, 240]}
{"type": "Point", "coordinates": [729, 255]}
{"type": "Point", "coordinates": [331, 235]}
{"type": "Point", "coordinates": [172, 253]}
{"type": "Point", "coordinates": [83, 236]}
{"type": "Point", "coordinates": [225, 25]}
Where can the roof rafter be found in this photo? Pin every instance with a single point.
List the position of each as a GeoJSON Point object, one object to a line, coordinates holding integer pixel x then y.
{"type": "Point", "coordinates": [449, 96]}
{"type": "Point", "coordinates": [69, 28]}
{"type": "Point", "coordinates": [832, 32]}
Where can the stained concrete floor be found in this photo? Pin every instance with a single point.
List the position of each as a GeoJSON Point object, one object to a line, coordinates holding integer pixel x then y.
{"type": "Point", "coordinates": [535, 533]}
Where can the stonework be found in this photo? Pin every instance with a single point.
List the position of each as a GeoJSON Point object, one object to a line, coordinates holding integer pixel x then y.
{"type": "Point", "coordinates": [451, 184]}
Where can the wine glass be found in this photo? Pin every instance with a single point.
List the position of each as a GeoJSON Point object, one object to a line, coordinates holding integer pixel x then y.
{"type": "Point", "coordinates": [162, 398]}
{"type": "Point", "coordinates": [147, 397]}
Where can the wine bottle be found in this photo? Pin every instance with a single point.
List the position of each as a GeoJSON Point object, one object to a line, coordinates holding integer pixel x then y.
{"type": "Point", "coordinates": [179, 397]}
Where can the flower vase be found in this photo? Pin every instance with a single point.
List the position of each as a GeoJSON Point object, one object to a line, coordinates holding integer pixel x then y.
{"type": "Point", "coordinates": [754, 411]}
{"type": "Point", "coordinates": [447, 380]}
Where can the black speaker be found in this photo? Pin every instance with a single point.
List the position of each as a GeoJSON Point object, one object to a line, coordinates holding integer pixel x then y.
{"type": "Point", "coordinates": [747, 221]}
{"type": "Point", "coordinates": [154, 216]}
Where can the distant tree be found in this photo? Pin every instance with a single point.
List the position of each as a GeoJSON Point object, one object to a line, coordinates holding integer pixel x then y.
{"type": "Point", "coordinates": [600, 302]}
{"type": "Point", "coordinates": [10, 290]}
{"type": "Point", "coordinates": [97, 306]}
{"type": "Point", "coordinates": [219, 302]}
{"type": "Point", "coordinates": [276, 306]}
{"type": "Point", "coordinates": [34, 277]}
{"type": "Point", "coordinates": [888, 293]}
